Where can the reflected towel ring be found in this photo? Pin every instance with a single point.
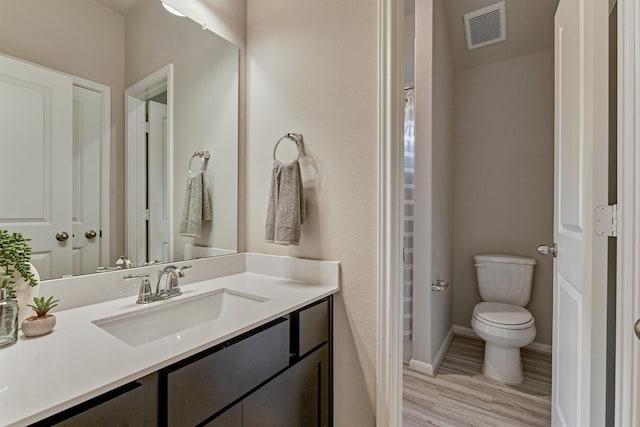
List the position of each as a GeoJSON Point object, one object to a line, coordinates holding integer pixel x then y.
{"type": "Point", "coordinates": [204, 155]}
{"type": "Point", "coordinates": [295, 137]}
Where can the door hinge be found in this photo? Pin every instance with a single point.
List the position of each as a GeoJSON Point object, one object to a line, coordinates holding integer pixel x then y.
{"type": "Point", "coordinates": [607, 220]}
{"type": "Point", "coordinates": [147, 127]}
{"type": "Point", "coordinates": [146, 214]}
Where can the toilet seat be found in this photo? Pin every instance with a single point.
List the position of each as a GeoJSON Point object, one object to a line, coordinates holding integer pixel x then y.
{"type": "Point", "coordinates": [503, 316]}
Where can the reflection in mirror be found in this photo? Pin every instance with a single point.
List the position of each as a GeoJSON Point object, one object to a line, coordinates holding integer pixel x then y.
{"type": "Point", "coordinates": [103, 103]}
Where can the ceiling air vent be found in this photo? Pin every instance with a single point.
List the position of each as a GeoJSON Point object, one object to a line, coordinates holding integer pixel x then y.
{"type": "Point", "coordinates": [486, 26]}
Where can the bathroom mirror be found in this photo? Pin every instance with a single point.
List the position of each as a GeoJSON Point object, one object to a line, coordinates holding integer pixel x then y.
{"type": "Point", "coordinates": [114, 116]}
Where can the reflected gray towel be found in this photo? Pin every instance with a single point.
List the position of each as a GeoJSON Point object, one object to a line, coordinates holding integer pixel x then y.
{"type": "Point", "coordinates": [286, 212]}
{"type": "Point", "coordinates": [197, 206]}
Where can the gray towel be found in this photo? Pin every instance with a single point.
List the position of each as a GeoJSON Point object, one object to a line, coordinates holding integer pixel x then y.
{"type": "Point", "coordinates": [197, 206]}
{"type": "Point", "coordinates": [286, 212]}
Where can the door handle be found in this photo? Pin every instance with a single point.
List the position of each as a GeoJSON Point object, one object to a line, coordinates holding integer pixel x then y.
{"type": "Point", "coordinates": [62, 236]}
{"type": "Point", "coordinates": [546, 250]}
{"type": "Point", "coordinates": [91, 234]}
{"type": "Point", "coordinates": [636, 328]}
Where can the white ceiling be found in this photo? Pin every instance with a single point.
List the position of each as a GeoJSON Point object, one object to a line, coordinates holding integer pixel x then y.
{"type": "Point", "coordinates": [529, 29]}
{"type": "Point", "coordinates": [120, 6]}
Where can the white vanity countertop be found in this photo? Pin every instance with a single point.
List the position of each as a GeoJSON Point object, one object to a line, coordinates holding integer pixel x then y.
{"type": "Point", "coordinates": [42, 376]}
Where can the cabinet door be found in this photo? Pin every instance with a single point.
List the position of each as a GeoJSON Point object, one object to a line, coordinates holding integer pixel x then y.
{"type": "Point", "coordinates": [131, 405]}
{"type": "Point", "coordinates": [230, 418]}
{"type": "Point", "coordinates": [299, 397]}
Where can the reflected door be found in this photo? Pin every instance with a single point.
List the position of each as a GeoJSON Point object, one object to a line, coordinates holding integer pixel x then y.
{"type": "Point", "coordinates": [87, 139]}
{"type": "Point", "coordinates": [158, 184]}
{"type": "Point", "coordinates": [35, 136]}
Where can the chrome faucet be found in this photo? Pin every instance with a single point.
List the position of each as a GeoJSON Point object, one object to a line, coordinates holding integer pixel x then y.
{"type": "Point", "coordinates": [169, 276]}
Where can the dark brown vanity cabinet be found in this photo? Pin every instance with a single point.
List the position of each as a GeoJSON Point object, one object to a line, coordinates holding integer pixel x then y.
{"type": "Point", "coordinates": [277, 375]}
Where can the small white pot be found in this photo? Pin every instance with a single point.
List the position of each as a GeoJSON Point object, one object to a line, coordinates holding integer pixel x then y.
{"type": "Point", "coordinates": [36, 326]}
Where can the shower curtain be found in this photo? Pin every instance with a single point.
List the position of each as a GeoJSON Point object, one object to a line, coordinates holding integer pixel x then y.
{"type": "Point", "coordinates": [409, 106]}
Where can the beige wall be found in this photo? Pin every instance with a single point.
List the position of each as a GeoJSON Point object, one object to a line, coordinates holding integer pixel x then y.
{"type": "Point", "coordinates": [205, 109]}
{"type": "Point", "coordinates": [503, 183]}
{"type": "Point", "coordinates": [433, 180]}
{"type": "Point", "coordinates": [311, 69]}
{"type": "Point", "coordinates": [442, 170]}
{"type": "Point", "coordinates": [85, 39]}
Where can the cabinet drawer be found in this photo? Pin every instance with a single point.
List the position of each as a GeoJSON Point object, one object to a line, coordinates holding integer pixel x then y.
{"type": "Point", "coordinates": [134, 404]}
{"type": "Point", "coordinates": [205, 386]}
{"type": "Point", "coordinates": [314, 327]}
{"type": "Point", "coordinates": [299, 397]}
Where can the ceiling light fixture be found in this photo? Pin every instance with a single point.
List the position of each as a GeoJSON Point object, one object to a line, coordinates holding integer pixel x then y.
{"type": "Point", "coordinates": [172, 10]}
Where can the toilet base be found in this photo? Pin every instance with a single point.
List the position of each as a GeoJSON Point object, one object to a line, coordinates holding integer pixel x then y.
{"type": "Point", "coordinates": [502, 364]}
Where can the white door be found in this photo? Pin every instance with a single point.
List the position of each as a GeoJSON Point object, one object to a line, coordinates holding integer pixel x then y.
{"type": "Point", "coordinates": [87, 139]}
{"type": "Point", "coordinates": [579, 297]}
{"type": "Point", "coordinates": [157, 184]}
{"type": "Point", "coordinates": [35, 160]}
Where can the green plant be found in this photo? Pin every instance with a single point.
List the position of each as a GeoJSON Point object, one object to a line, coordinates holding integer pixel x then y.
{"type": "Point", "coordinates": [42, 306]}
{"type": "Point", "coordinates": [15, 255]}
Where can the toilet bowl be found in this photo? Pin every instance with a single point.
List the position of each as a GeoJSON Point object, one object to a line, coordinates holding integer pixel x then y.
{"type": "Point", "coordinates": [505, 329]}
{"type": "Point", "coordinates": [501, 320]}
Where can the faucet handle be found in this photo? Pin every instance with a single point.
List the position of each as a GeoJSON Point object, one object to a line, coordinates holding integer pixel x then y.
{"type": "Point", "coordinates": [144, 293]}
{"type": "Point", "coordinates": [123, 262]}
{"type": "Point", "coordinates": [180, 270]}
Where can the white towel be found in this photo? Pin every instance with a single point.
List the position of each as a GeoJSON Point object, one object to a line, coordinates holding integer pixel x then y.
{"type": "Point", "coordinates": [197, 206]}
{"type": "Point", "coordinates": [286, 210]}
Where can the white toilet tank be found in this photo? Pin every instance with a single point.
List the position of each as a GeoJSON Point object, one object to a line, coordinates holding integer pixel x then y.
{"type": "Point", "coordinates": [505, 278]}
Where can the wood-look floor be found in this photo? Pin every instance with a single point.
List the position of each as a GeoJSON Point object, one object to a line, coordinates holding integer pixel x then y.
{"type": "Point", "coordinates": [459, 395]}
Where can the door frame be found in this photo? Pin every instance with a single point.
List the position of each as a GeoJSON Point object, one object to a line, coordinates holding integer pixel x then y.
{"type": "Point", "coordinates": [105, 165]}
{"type": "Point", "coordinates": [628, 241]}
{"type": "Point", "coordinates": [390, 214]}
{"type": "Point", "coordinates": [135, 176]}
{"type": "Point", "coordinates": [389, 261]}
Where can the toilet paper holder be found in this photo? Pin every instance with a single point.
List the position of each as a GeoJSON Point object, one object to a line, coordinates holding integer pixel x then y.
{"type": "Point", "coordinates": [439, 285]}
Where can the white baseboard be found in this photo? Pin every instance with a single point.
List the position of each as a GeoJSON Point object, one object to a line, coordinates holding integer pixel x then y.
{"type": "Point", "coordinates": [442, 351]}
{"type": "Point", "coordinates": [425, 368]}
{"type": "Point", "coordinates": [463, 331]}
{"type": "Point", "coordinates": [431, 368]}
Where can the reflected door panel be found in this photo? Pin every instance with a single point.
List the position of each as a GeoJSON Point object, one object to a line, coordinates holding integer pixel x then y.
{"type": "Point", "coordinates": [87, 133]}
{"type": "Point", "coordinates": [35, 134]}
{"type": "Point", "coordinates": [158, 184]}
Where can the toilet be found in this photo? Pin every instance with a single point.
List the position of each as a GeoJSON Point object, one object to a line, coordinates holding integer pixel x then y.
{"type": "Point", "coordinates": [501, 320]}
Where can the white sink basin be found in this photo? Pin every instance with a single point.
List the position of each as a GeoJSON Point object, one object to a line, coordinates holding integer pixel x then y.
{"type": "Point", "coordinates": [166, 318]}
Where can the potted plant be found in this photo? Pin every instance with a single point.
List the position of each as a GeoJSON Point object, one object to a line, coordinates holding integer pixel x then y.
{"type": "Point", "coordinates": [19, 275]}
{"type": "Point", "coordinates": [43, 322]}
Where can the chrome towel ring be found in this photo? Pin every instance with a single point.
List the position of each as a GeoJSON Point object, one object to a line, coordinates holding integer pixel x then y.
{"type": "Point", "coordinates": [294, 137]}
{"type": "Point", "coordinates": [204, 155]}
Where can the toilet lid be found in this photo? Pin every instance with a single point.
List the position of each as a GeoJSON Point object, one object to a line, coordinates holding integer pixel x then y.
{"type": "Point", "coordinates": [501, 315]}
